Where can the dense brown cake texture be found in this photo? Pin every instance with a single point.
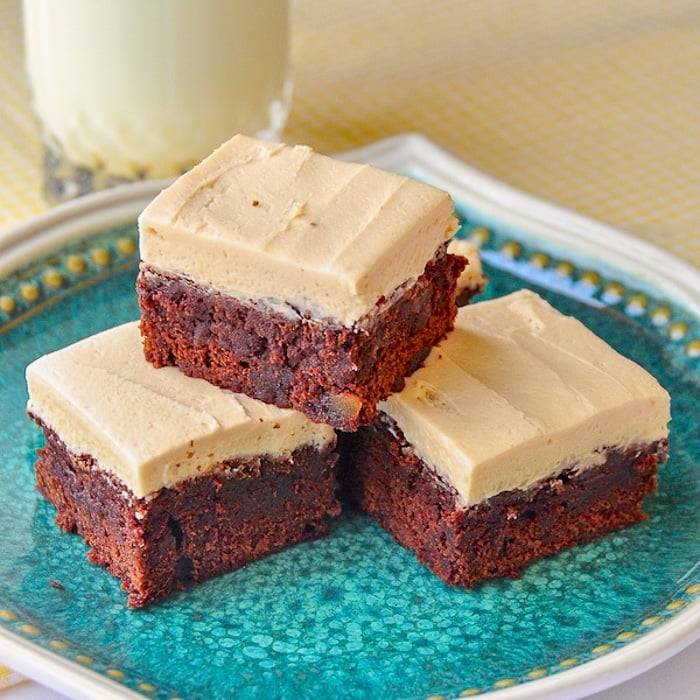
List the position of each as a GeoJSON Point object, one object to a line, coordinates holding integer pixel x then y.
{"type": "Point", "coordinates": [330, 372]}
{"type": "Point", "coordinates": [297, 279]}
{"type": "Point", "coordinates": [521, 434]}
{"type": "Point", "coordinates": [507, 532]}
{"type": "Point", "coordinates": [201, 528]}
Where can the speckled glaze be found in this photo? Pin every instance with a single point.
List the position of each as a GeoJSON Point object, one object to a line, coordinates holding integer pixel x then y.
{"type": "Point", "coordinates": [355, 615]}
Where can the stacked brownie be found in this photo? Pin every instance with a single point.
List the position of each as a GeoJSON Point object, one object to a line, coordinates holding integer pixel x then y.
{"type": "Point", "coordinates": [297, 279]}
{"type": "Point", "coordinates": [285, 295]}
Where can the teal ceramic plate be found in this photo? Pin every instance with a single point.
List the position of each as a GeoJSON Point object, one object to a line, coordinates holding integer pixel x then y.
{"type": "Point", "coordinates": [355, 615]}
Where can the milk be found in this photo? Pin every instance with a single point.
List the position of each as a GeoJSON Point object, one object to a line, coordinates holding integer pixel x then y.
{"type": "Point", "coordinates": [129, 89]}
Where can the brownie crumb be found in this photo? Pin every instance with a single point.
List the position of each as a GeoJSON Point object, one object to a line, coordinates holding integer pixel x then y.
{"type": "Point", "coordinates": [58, 586]}
{"type": "Point", "coordinates": [205, 526]}
{"type": "Point", "coordinates": [331, 372]}
{"type": "Point", "coordinates": [504, 534]}
{"type": "Point", "coordinates": [256, 202]}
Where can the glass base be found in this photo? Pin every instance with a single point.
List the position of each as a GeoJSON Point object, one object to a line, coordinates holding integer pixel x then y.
{"type": "Point", "coordinates": [64, 180]}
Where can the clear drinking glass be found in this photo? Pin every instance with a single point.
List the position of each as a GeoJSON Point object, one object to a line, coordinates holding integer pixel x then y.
{"type": "Point", "coordinates": [131, 89]}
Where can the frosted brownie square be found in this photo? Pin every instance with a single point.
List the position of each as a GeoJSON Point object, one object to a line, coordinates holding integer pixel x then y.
{"type": "Point", "coordinates": [169, 479]}
{"type": "Point", "coordinates": [297, 279]}
{"type": "Point", "coordinates": [523, 434]}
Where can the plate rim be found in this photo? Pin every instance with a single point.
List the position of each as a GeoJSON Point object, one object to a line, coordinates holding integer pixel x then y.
{"type": "Point", "coordinates": [550, 221]}
{"type": "Point", "coordinates": [680, 280]}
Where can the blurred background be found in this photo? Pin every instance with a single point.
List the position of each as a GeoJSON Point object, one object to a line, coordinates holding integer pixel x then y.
{"type": "Point", "coordinates": [594, 105]}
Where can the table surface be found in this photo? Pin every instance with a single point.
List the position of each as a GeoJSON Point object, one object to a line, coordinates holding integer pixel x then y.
{"type": "Point", "coordinates": [594, 106]}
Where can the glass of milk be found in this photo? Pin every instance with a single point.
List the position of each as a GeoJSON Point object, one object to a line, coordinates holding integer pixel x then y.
{"type": "Point", "coordinates": [132, 89]}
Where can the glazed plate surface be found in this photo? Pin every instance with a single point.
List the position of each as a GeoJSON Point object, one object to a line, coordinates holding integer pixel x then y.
{"type": "Point", "coordinates": [355, 615]}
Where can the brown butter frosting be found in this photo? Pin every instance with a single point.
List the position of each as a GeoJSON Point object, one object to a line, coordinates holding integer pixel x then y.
{"type": "Point", "coordinates": [518, 392]}
{"type": "Point", "coordinates": [263, 220]}
{"type": "Point", "coordinates": [154, 427]}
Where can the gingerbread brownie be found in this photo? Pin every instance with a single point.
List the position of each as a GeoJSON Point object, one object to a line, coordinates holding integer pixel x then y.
{"type": "Point", "coordinates": [522, 434]}
{"type": "Point", "coordinates": [297, 279]}
{"type": "Point", "coordinates": [169, 479]}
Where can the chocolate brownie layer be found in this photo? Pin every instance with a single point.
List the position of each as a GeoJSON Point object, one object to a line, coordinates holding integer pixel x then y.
{"type": "Point", "coordinates": [332, 373]}
{"type": "Point", "coordinates": [203, 527]}
{"type": "Point", "coordinates": [502, 535]}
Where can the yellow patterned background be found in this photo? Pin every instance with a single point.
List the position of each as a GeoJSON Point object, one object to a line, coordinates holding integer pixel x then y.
{"type": "Point", "coordinates": [594, 105]}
